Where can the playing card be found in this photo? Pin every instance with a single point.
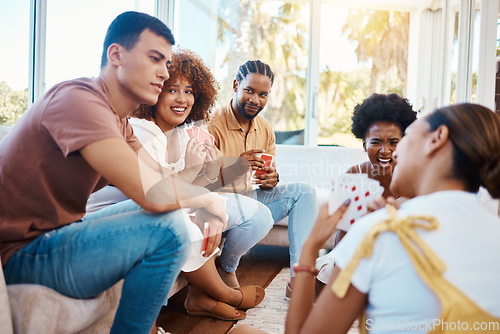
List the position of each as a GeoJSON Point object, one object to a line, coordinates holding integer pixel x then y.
{"type": "Point", "coordinates": [204, 135]}
{"type": "Point", "coordinates": [268, 161]}
{"type": "Point", "coordinates": [360, 189]}
{"type": "Point", "coordinates": [190, 133]}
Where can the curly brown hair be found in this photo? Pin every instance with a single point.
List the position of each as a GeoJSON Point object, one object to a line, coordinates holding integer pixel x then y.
{"type": "Point", "coordinates": [187, 64]}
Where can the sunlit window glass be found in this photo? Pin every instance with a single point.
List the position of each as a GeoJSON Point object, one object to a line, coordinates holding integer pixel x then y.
{"type": "Point", "coordinates": [75, 33]}
{"type": "Point", "coordinates": [362, 51]}
{"type": "Point", "coordinates": [277, 33]}
{"type": "Point", "coordinates": [14, 61]}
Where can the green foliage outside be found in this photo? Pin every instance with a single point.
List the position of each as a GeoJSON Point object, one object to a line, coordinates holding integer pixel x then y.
{"type": "Point", "coordinates": [277, 33]}
{"type": "Point", "coordinates": [249, 30]}
{"type": "Point", "coordinates": [13, 104]}
{"type": "Point", "coordinates": [253, 29]}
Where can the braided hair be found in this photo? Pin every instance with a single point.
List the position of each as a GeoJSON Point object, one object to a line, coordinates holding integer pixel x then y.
{"type": "Point", "coordinates": [254, 66]}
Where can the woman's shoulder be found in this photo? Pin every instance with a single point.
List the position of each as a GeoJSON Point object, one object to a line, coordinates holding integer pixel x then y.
{"type": "Point", "coordinates": [362, 167]}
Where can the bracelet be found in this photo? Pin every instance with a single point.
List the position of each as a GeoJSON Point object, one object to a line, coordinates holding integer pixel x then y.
{"type": "Point", "coordinates": [297, 268]}
{"type": "Point", "coordinates": [210, 181]}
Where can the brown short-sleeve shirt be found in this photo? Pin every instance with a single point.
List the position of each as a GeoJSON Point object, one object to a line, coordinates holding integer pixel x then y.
{"type": "Point", "coordinates": [44, 180]}
{"type": "Point", "coordinates": [231, 140]}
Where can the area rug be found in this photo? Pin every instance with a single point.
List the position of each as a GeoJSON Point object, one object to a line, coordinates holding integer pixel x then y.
{"type": "Point", "coordinates": [270, 315]}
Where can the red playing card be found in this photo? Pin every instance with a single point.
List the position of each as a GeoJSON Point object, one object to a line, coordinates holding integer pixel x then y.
{"type": "Point", "coordinates": [204, 135]}
{"type": "Point", "coordinates": [268, 161]}
{"type": "Point", "coordinates": [190, 133]}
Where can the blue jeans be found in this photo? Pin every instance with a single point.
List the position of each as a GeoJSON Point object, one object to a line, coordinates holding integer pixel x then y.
{"type": "Point", "coordinates": [249, 222]}
{"type": "Point", "coordinates": [85, 258]}
{"type": "Point", "coordinates": [298, 202]}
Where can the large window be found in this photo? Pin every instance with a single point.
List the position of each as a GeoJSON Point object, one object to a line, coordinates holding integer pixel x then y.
{"type": "Point", "coordinates": [14, 61]}
{"type": "Point", "coordinates": [275, 32]}
{"type": "Point", "coordinates": [74, 42]}
{"type": "Point", "coordinates": [362, 51]}
{"type": "Point", "coordinates": [328, 55]}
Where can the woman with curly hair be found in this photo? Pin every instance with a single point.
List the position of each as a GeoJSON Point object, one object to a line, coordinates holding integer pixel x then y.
{"type": "Point", "coordinates": [380, 122]}
{"type": "Point", "coordinates": [186, 99]}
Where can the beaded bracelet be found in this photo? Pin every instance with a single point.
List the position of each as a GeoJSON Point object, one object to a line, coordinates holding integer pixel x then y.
{"type": "Point", "coordinates": [297, 268]}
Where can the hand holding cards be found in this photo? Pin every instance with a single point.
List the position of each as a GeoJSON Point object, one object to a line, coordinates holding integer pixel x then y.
{"type": "Point", "coordinates": [200, 134]}
{"type": "Point", "coordinates": [206, 234]}
{"type": "Point", "coordinates": [357, 187]}
{"type": "Point", "coordinates": [268, 162]}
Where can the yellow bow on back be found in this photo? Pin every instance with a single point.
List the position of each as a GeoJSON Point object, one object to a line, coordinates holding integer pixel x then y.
{"type": "Point", "coordinates": [456, 308]}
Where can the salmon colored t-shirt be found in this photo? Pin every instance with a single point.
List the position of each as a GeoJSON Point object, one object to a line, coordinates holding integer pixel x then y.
{"type": "Point", "coordinates": [44, 180]}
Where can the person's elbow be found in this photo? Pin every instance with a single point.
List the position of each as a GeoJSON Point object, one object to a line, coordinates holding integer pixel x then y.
{"type": "Point", "coordinates": [158, 208]}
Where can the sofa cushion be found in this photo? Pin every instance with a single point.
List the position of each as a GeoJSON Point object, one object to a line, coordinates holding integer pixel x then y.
{"type": "Point", "coordinates": [38, 309]}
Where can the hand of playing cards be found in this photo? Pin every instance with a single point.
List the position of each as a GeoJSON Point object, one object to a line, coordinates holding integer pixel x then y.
{"type": "Point", "coordinates": [357, 187]}
{"type": "Point", "coordinates": [200, 134]}
{"type": "Point", "coordinates": [268, 162]}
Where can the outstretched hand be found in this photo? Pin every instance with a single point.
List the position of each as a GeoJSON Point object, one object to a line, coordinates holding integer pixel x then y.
{"type": "Point", "coordinates": [325, 225]}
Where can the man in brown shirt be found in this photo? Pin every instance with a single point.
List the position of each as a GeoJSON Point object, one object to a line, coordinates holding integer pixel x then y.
{"type": "Point", "coordinates": [73, 141]}
{"type": "Point", "coordinates": [240, 133]}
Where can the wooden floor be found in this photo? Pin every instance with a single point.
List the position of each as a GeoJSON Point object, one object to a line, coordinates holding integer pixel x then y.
{"type": "Point", "coordinates": [259, 266]}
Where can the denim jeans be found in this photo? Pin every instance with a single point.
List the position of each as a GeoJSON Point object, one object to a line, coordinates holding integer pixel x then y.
{"type": "Point", "coordinates": [249, 222]}
{"type": "Point", "coordinates": [87, 257]}
{"type": "Point", "coordinates": [298, 202]}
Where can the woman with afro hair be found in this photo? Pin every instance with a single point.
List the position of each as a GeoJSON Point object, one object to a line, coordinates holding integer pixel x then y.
{"type": "Point", "coordinates": [380, 122]}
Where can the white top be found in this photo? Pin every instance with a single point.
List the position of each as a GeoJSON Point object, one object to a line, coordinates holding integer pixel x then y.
{"type": "Point", "coordinates": [468, 242]}
{"type": "Point", "coordinates": [154, 141]}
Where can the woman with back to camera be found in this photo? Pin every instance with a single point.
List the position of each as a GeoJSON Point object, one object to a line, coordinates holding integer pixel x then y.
{"type": "Point", "coordinates": [434, 263]}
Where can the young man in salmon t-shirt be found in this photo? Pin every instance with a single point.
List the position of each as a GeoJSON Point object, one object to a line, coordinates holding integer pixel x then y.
{"type": "Point", "coordinates": [75, 140]}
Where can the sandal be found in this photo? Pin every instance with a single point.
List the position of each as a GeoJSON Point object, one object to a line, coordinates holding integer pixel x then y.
{"type": "Point", "coordinates": [221, 311]}
{"type": "Point", "coordinates": [249, 292]}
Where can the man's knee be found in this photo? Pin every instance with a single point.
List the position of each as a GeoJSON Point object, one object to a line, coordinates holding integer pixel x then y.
{"type": "Point", "coordinates": [262, 217]}
{"type": "Point", "coordinates": [174, 230]}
